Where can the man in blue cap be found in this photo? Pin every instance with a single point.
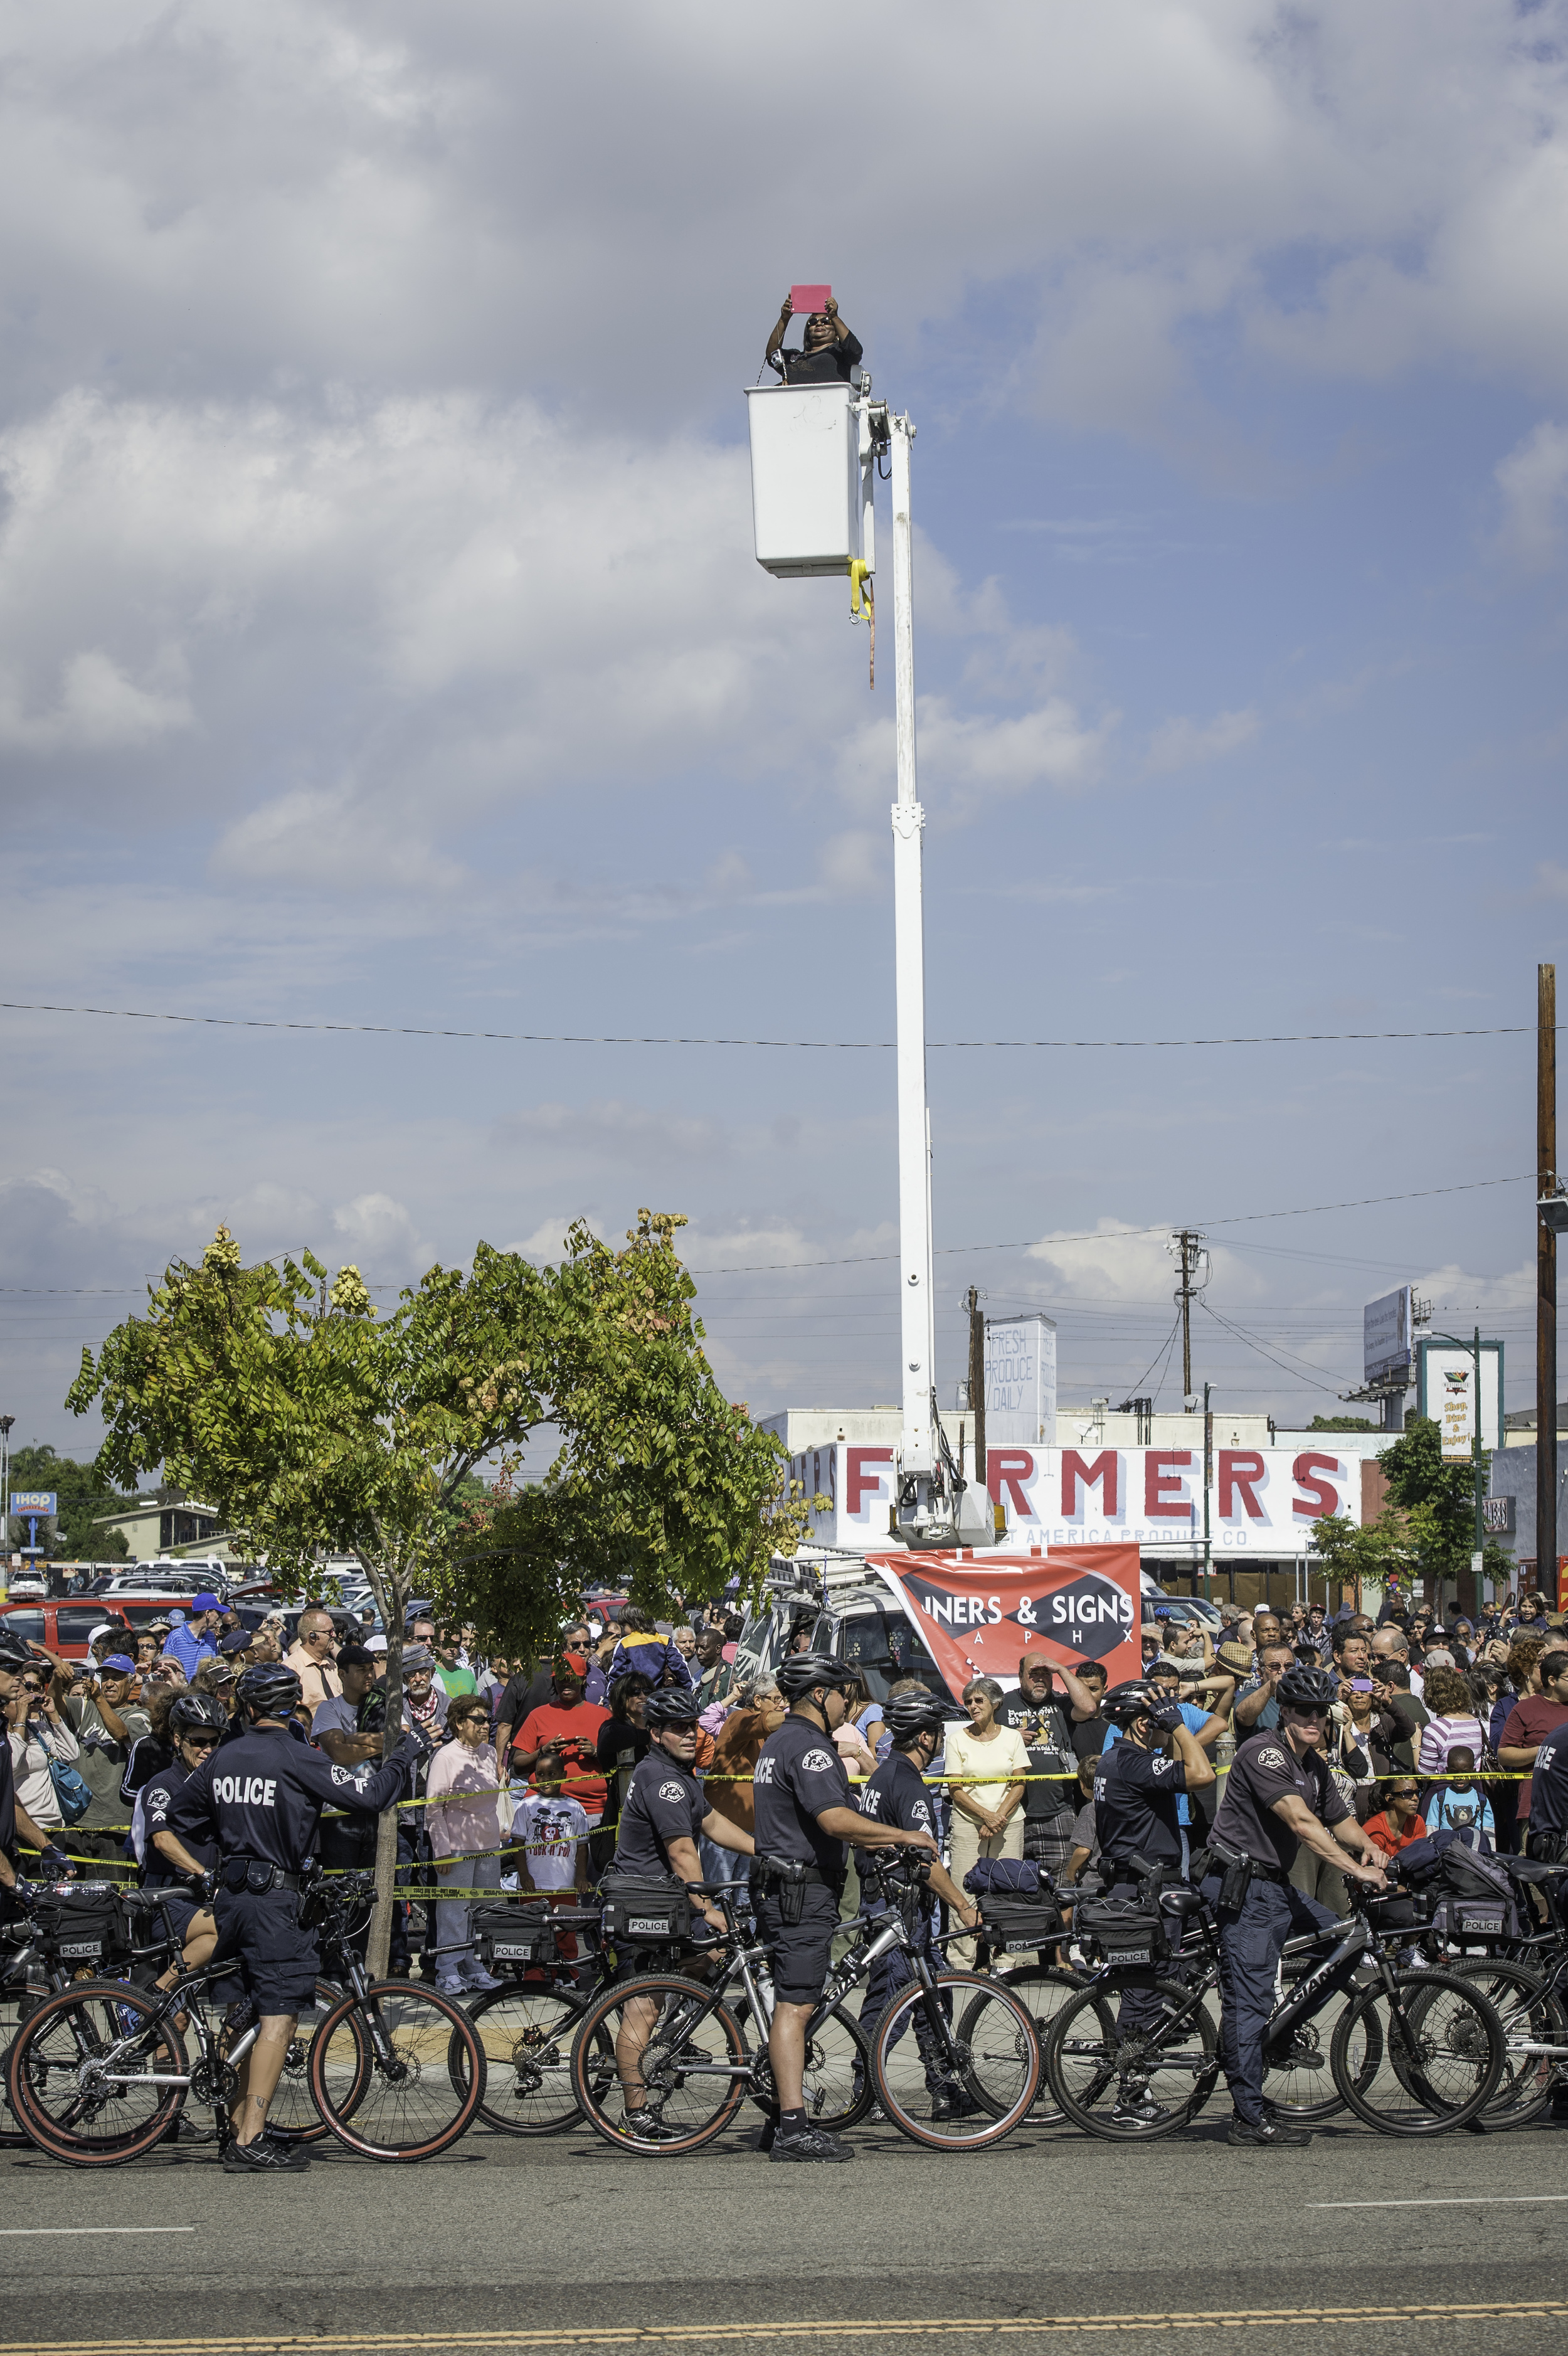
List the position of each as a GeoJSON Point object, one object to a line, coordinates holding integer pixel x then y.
{"type": "Point", "coordinates": [197, 1641]}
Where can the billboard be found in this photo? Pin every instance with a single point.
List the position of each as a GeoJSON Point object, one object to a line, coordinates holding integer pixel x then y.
{"type": "Point", "coordinates": [1445, 1390]}
{"type": "Point", "coordinates": [1387, 1330]}
{"type": "Point", "coordinates": [1020, 1380]}
{"type": "Point", "coordinates": [1263, 1503]}
{"type": "Point", "coordinates": [976, 1616]}
{"type": "Point", "coordinates": [33, 1501]}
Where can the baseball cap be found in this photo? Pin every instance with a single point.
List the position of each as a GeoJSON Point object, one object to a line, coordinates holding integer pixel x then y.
{"type": "Point", "coordinates": [237, 1641]}
{"type": "Point", "coordinates": [359, 1656]}
{"type": "Point", "coordinates": [374, 1645]}
{"type": "Point", "coordinates": [575, 1662]}
{"type": "Point", "coordinates": [204, 1602]}
{"type": "Point", "coordinates": [127, 1668]}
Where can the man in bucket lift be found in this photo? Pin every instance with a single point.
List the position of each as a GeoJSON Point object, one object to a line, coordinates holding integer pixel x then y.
{"type": "Point", "coordinates": [831, 352]}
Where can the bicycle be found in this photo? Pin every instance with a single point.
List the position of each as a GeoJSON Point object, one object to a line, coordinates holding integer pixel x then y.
{"type": "Point", "coordinates": [1414, 2051]}
{"type": "Point", "coordinates": [1525, 1978]}
{"type": "Point", "coordinates": [694, 2092]}
{"type": "Point", "coordinates": [527, 2026]}
{"type": "Point", "coordinates": [100, 2071]}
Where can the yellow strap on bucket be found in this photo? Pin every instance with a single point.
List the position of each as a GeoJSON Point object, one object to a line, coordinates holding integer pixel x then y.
{"type": "Point", "coordinates": [858, 569]}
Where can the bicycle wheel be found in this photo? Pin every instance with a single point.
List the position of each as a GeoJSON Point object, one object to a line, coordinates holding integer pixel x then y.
{"type": "Point", "coordinates": [1440, 2065]}
{"type": "Point", "coordinates": [988, 2074]}
{"type": "Point", "coordinates": [1045, 1989]}
{"type": "Point", "coordinates": [1530, 2014]}
{"type": "Point", "coordinates": [527, 2034]}
{"type": "Point", "coordinates": [1299, 2077]}
{"type": "Point", "coordinates": [836, 2085]}
{"type": "Point", "coordinates": [92, 2079]}
{"type": "Point", "coordinates": [1133, 2085]}
{"type": "Point", "coordinates": [689, 2050]}
{"type": "Point", "coordinates": [410, 2103]}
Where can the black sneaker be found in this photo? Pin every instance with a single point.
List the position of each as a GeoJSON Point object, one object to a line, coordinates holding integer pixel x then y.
{"type": "Point", "coordinates": [810, 2143]}
{"type": "Point", "coordinates": [1136, 2107]}
{"type": "Point", "coordinates": [183, 2130]}
{"type": "Point", "coordinates": [952, 2103]}
{"type": "Point", "coordinates": [1271, 2134]}
{"type": "Point", "coordinates": [642, 2127]}
{"type": "Point", "coordinates": [265, 2158]}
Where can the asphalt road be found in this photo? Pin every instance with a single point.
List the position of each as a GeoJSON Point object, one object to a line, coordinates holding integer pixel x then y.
{"type": "Point", "coordinates": [565, 2243]}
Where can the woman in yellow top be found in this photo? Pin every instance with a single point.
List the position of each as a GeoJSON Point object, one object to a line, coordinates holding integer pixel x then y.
{"type": "Point", "coordinates": [987, 1804]}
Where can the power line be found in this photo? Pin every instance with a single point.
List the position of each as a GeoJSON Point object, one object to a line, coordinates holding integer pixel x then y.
{"type": "Point", "coordinates": [637, 1039]}
{"type": "Point", "coordinates": [1120, 1235]}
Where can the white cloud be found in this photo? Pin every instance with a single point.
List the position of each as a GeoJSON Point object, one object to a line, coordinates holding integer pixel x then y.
{"type": "Point", "coordinates": [1182, 743]}
{"type": "Point", "coordinates": [375, 1225]}
{"type": "Point", "coordinates": [1533, 480]}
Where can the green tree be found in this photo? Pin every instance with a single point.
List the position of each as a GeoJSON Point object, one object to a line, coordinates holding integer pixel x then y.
{"type": "Point", "coordinates": [1340, 1423]}
{"type": "Point", "coordinates": [1435, 1505]}
{"type": "Point", "coordinates": [84, 1498]}
{"type": "Point", "coordinates": [1349, 1551]}
{"type": "Point", "coordinates": [313, 1423]}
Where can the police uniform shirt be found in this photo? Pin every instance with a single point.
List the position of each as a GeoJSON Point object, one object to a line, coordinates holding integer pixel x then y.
{"type": "Point", "coordinates": [798, 1775]}
{"type": "Point", "coordinates": [663, 1804]}
{"type": "Point", "coordinates": [1549, 1784]}
{"type": "Point", "coordinates": [261, 1795]}
{"type": "Point", "coordinates": [151, 1815]}
{"type": "Point", "coordinates": [1049, 1741]}
{"type": "Point", "coordinates": [896, 1796]}
{"type": "Point", "coordinates": [1135, 1793]}
{"type": "Point", "coordinates": [7, 1805]}
{"type": "Point", "coordinates": [1264, 1770]}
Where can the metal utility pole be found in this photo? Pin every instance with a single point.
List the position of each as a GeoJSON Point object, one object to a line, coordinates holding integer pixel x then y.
{"type": "Point", "coordinates": [977, 1381]}
{"type": "Point", "coordinates": [1549, 1217]}
{"type": "Point", "coordinates": [1208, 1484]}
{"type": "Point", "coordinates": [1188, 1244]}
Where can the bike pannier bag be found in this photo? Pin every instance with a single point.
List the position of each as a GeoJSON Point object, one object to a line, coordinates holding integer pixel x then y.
{"type": "Point", "coordinates": [644, 1912]}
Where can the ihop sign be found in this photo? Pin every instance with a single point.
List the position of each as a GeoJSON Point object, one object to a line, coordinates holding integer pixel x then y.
{"type": "Point", "coordinates": [1264, 1500]}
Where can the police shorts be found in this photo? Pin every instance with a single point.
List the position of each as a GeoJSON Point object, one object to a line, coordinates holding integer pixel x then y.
{"type": "Point", "coordinates": [277, 1961]}
{"type": "Point", "coordinates": [801, 1951]}
{"type": "Point", "coordinates": [181, 1908]}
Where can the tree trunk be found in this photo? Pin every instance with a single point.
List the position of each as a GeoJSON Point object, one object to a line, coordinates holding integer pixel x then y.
{"type": "Point", "coordinates": [391, 1588]}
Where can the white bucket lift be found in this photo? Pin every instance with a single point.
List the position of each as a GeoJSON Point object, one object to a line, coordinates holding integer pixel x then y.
{"type": "Point", "coordinates": [815, 452]}
{"type": "Point", "coordinates": [805, 477]}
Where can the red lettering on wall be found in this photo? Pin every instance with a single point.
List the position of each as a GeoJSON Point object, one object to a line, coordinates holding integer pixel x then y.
{"type": "Point", "coordinates": [1241, 1469]}
{"type": "Point", "coordinates": [1007, 1469]}
{"type": "Point", "coordinates": [859, 1482]}
{"type": "Point", "coordinates": [1322, 1496]}
{"type": "Point", "coordinates": [1163, 1500]}
{"type": "Point", "coordinates": [1104, 1472]}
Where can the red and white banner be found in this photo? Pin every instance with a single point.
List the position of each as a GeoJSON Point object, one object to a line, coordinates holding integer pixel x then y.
{"type": "Point", "coordinates": [977, 1618]}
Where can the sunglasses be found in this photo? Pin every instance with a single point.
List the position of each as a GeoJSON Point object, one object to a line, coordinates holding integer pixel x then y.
{"type": "Point", "coordinates": [202, 1741]}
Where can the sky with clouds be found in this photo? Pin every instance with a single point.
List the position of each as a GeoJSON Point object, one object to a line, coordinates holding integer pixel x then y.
{"type": "Point", "coordinates": [381, 642]}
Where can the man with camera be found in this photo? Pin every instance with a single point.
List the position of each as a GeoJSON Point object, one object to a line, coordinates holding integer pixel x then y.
{"type": "Point", "coordinates": [1279, 1797]}
{"type": "Point", "coordinates": [830, 351]}
{"type": "Point", "coordinates": [15, 1657]}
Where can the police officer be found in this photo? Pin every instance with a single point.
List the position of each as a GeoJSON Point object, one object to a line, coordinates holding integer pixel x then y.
{"type": "Point", "coordinates": [803, 1819]}
{"type": "Point", "coordinates": [1279, 1795]}
{"type": "Point", "coordinates": [897, 1795]}
{"type": "Point", "coordinates": [260, 1796]}
{"type": "Point", "coordinates": [1137, 1785]}
{"type": "Point", "coordinates": [664, 1814]}
{"type": "Point", "coordinates": [197, 1722]}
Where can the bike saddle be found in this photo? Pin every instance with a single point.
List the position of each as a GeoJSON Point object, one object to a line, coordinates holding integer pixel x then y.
{"type": "Point", "coordinates": [1182, 1904]}
{"type": "Point", "coordinates": [1528, 1868]}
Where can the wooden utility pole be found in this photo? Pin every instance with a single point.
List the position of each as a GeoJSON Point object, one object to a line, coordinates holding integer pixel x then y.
{"type": "Point", "coordinates": [1188, 1241]}
{"type": "Point", "coordinates": [1546, 1285]}
{"type": "Point", "coordinates": [977, 1381]}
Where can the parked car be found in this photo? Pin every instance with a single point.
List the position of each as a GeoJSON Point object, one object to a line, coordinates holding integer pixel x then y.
{"type": "Point", "coordinates": [859, 1623]}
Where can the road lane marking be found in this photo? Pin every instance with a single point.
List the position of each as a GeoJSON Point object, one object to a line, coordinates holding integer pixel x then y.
{"type": "Point", "coordinates": [327, 2343]}
{"type": "Point", "coordinates": [1444, 2200]}
{"type": "Point", "coordinates": [12, 2232]}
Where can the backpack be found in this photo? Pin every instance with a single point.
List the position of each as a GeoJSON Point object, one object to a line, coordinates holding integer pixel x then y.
{"type": "Point", "coordinates": [652, 1655]}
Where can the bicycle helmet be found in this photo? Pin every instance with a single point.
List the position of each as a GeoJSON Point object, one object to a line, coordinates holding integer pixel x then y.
{"type": "Point", "coordinates": [1306, 1689]}
{"type": "Point", "coordinates": [1125, 1705]}
{"type": "Point", "coordinates": [673, 1706]}
{"type": "Point", "coordinates": [909, 1714]}
{"type": "Point", "coordinates": [270, 1690]}
{"type": "Point", "coordinates": [197, 1710]}
{"type": "Point", "coordinates": [14, 1653]}
{"type": "Point", "coordinates": [803, 1671]}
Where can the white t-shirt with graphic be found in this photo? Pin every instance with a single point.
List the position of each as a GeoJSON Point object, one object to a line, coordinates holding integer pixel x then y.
{"type": "Point", "coordinates": [549, 1831]}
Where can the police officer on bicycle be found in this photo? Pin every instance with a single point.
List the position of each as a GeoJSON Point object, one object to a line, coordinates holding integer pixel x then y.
{"type": "Point", "coordinates": [804, 1820]}
{"type": "Point", "coordinates": [663, 1816]}
{"type": "Point", "coordinates": [1279, 1795]}
{"type": "Point", "coordinates": [897, 1795]}
{"type": "Point", "coordinates": [1137, 1785]}
{"type": "Point", "coordinates": [260, 1796]}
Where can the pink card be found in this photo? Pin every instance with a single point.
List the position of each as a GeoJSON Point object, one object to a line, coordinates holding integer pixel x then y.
{"type": "Point", "coordinates": [808, 298]}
